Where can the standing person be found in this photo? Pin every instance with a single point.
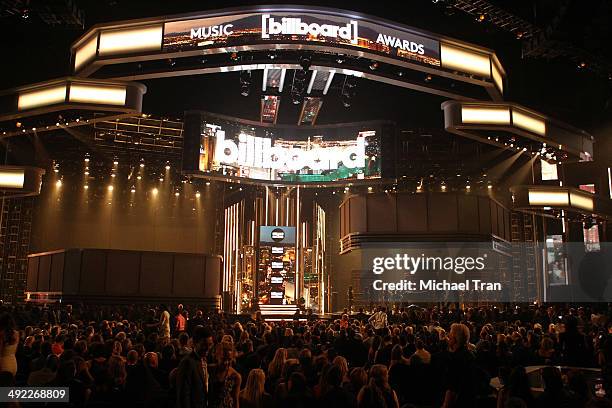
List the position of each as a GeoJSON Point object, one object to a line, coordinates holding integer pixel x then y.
{"type": "Point", "coordinates": [462, 386]}
{"type": "Point", "coordinates": [192, 372]}
{"type": "Point", "coordinates": [379, 319]}
{"type": "Point", "coordinates": [164, 324]}
{"type": "Point", "coordinates": [224, 380]}
{"type": "Point", "coordinates": [9, 338]}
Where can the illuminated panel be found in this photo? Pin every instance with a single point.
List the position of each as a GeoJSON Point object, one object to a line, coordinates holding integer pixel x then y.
{"type": "Point", "coordinates": [497, 77]}
{"type": "Point", "coordinates": [107, 95]}
{"type": "Point", "coordinates": [12, 179]}
{"type": "Point", "coordinates": [528, 122]}
{"type": "Point", "coordinates": [130, 40]}
{"type": "Point", "coordinates": [42, 97]}
{"type": "Point", "coordinates": [549, 171]}
{"type": "Point", "coordinates": [548, 198]}
{"type": "Point", "coordinates": [269, 108]}
{"type": "Point", "coordinates": [498, 116]}
{"type": "Point", "coordinates": [581, 201]}
{"type": "Point", "coordinates": [465, 61]}
{"type": "Point", "coordinates": [86, 52]}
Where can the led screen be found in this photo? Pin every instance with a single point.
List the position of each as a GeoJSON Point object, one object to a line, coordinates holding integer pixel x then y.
{"type": "Point", "coordinates": [232, 148]}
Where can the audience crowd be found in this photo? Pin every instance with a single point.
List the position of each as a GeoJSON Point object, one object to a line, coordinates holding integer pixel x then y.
{"type": "Point", "coordinates": [444, 356]}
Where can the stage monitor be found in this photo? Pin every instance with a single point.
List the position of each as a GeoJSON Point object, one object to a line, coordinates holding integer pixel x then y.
{"type": "Point", "coordinates": [222, 147]}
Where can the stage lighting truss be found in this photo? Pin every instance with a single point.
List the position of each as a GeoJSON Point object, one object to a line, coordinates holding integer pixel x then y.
{"type": "Point", "coordinates": [141, 133]}
{"type": "Point", "coordinates": [511, 126]}
{"type": "Point", "coordinates": [551, 201]}
{"type": "Point", "coordinates": [134, 50]}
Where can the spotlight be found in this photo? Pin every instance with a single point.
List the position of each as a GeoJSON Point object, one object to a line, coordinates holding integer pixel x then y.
{"type": "Point", "coordinates": [167, 167]}
{"type": "Point", "coordinates": [346, 101]}
{"type": "Point", "coordinates": [171, 62]}
{"type": "Point", "coordinates": [133, 189]}
{"type": "Point", "coordinates": [141, 165]}
{"type": "Point", "coordinates": [155, 191]}
{"type": "Point", "coordinates": [138, 177]}
{"type": "Point", "coordinates": [481, 17]}
{"type": "Point", "coordinates": [208, 183]}
{"type": "Point", "coordinates": [519, 35]}
{"type": "Point", "coordinates": [428, 78]}
{"type": "Point", "coordinates": [116, 162]}
{"type": "Point", "coordinates": [25, 14]}
{"type": "Point", "coordinates": [467, 187]}
{"type": "Point", "coordinates": [86, 186]}
{"type": "Point", "coordinates": [111, 188]}
{"type": "Point", "coordinates": [370, 189]}
{"type": "Point", "coordinates": [305, 62]}
{"type": "Point", "coordinates": [340, 59]}
{"type": "Point", "coordinates": [234, 56]}
{"type": "Point", "coordinates": [87, 173]}
{"type": "Point", "coordinates": [197, 194]}
{"type": "Point", "coordinates": [177, 194]}
{"type": "Point", "coordinates": [58, 183]}
{"type": "Point", "coordinates": [271, 55]}
{"type": "Point", "coordinates": [86, 159]}
{"type": "Point", "coordinates": [490, 186]}
{"type": "Point", "coordinates": [113, 175]}
{"type": "Point", "coordinates": [582, 65]}
{"type": "Point", "coordinates": [161, 179]}
{"type": "Point", "coordinates": [374, 65]}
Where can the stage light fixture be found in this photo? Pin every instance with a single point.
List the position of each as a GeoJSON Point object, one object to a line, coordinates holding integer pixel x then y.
{"type": "Point", "coordinates": [111, 188]}
{"type": "Point", "coordinates": [86, 186]}
{"type": "Point", "coordinates": [305, 62]}
{"type": "Point", "coordinates": [115, 162]}
{"type": "Point", "coordinates": [245, 83]}
{"type": "Point", "coordinates": [234, 56]}
{"type": "Point", "coordinates": [374, 65]}
{"type": "Point", "coordinates": [133, 189]}
{"type": "Point", "coordinates": [167, 167]}
{"type": "Point", "coordinates": [208, 183]}
{"type": "Point", "coordinates": [171, 62]}
{"type": "Point", "coordinates": [428, 78]}
{"type": "Point", "coordinates": [138, 177]}
{"type": "Point", "coordinates": [141, 165]}
{"type": "Point", "coordinates": [370, 189]}
{"type": "Point", "coordinates": [340, 59]}
{"type": "Point", "coordinates": [113, 175]}
{"type": "Point", "coordinates": [58, 183]}
{"type": "Point", "coordinates": [161, 179]}
{"type": "Point", "coordinates": [155, 191]}
{"type": "Point", "coordinates": [197, 194]}
{"type": "Point", "coordinates": [87, 173]}
{"type": "Point", "coordinates": [86, 159]}
{"type": "Point", "coordinates": [489, 186]}
{"type": "Point", "coordinates": [177, 194]}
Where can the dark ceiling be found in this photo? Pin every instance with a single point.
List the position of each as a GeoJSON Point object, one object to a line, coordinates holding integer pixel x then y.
{"type": "Point", "coordinates": [35, 50]}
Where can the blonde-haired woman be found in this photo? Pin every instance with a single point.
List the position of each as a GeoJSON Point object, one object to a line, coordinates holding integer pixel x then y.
{"type": "Point", "coordinates": [275, 368]}
{"type": "Point", "coordinates": [254, 395]}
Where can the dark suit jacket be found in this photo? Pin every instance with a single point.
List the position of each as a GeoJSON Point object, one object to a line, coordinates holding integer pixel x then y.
{"type": "Point", "coordinates": [190, 387]}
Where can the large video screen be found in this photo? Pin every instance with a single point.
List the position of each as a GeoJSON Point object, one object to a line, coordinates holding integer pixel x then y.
{"type": "Point", "coordinates": [232, 148]}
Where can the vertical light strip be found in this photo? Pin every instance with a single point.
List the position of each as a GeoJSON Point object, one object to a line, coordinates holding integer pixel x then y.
{"type": "Point", "coordinates": [225, 246]}
{"type": "Point", "coordinates": [311, 83]}
{"type": "Point", "coordinates": [267, 209]}
{"type": "Point", "coordinates": [282, 80]}
{"type": "Point", "coordinates": [287, 223]}
{"type": "Point", "coordinates": [329, 81]}
{"type": "Point", "coordinates": [276, 206]}
{"type": "Point", "coordinates": [610, 182]}
{"type": "Point", "coordinates": [298, 283]}
{"type": "Point", "coordinates": [264, 83]}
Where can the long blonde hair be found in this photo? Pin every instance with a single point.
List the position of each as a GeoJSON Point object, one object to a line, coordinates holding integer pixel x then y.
{"type": "Point", "coordinates": [275, 368]}
{"type": "Point", "coordinates": [254, 389]}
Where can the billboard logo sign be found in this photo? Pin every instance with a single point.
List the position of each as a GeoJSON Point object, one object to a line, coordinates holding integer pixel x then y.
{"type": "Point", "coordinates": [260, 152]}
{"type": "Point", "coordinates": [212, 31]}
{"type": "Point", "coordinates": [295, 26]}
{"type": "Point", "coordinates": [277, 234]}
